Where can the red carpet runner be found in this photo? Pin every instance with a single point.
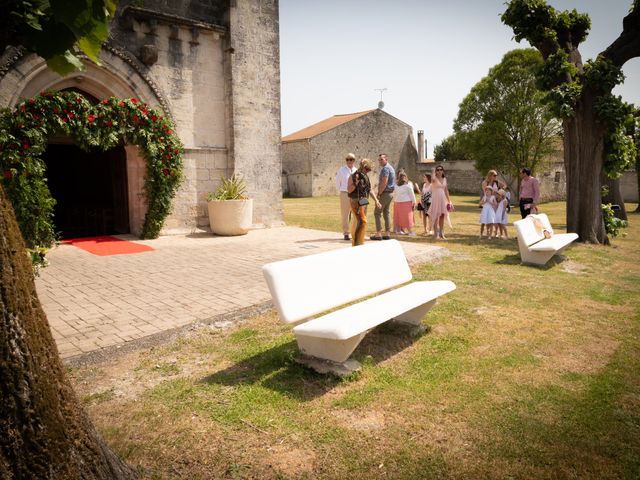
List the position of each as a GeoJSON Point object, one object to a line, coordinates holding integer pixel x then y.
{"type": "Point", "coordinates": [106, 245]}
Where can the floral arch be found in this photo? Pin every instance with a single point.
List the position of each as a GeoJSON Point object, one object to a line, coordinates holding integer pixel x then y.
{"type": "Point", "coordinates": [24, 134]}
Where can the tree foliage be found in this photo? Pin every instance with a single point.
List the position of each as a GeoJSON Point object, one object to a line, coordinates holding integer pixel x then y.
{"type": "Point", "coordinates": [56, 29]}
{"type": "Point", "coordinates": [596, 123]}
{"type": "Point", "coordinates": [450, 149]}
{"type": "Point", "coordinates": [503, 123]}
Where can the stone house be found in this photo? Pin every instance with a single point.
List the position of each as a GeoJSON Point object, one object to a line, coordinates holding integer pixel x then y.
{"type": "Point", "coordinates": [213, 67]}
{"type": "Point", "coordinates": [312, 156]}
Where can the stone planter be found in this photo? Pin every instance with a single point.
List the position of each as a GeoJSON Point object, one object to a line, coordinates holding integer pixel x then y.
{"type": "Point", "coordinates": [230, 217]}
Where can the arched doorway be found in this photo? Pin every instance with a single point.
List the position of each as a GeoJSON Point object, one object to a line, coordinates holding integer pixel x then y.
{"type": "Point", "coordinates": [90, 189]}
{"type": "Point", "coordinates": [119, 77]}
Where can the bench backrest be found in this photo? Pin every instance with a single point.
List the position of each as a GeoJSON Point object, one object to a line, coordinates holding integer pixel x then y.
{"type": "Point", "coordinates": [304, 286]}
{"type": "Point", "coordinates": [527, 230]}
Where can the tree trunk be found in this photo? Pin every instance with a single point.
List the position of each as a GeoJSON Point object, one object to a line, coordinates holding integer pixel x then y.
{"type": "Point", "coordinates": [637, 210]}
{"type": "Point", "coordinates": [583, 160]}
{"type": "Point", "coordinates": [614, 196]}
{"type": "Point", "coordinates": [44, 432]}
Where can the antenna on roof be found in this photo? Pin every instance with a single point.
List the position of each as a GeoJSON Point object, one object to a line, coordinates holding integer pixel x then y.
{"type": "Point", "coordinates": [381, 90]}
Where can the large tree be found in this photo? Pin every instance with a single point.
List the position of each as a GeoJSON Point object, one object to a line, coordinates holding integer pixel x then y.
{"type": "Point", "coordinates": [594, 121]}
{"type": "Point", "coordinates": [44, 432]}
{"type": "Point", "coordinates": [503, 123]}
{"type": "Point", "coordinates": [449, 149]}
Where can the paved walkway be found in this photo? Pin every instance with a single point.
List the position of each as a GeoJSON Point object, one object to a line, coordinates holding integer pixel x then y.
{"type": "Point", "coordinates": [94, 302]}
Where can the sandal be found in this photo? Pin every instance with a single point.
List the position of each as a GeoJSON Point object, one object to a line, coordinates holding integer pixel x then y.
{"type": "Point", "coordinates": [375, 237]}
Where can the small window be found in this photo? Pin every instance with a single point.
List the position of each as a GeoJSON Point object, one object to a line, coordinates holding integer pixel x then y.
{"type": "Point", "coordinates": [557, 179]}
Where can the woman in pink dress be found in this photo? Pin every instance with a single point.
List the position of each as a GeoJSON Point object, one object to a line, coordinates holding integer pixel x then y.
{"type": "Point", "coordinates": [404, 201]}
{"type": "Point", "coordinates": [440, 202]}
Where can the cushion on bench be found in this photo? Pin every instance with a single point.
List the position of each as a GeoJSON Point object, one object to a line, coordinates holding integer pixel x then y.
{"type": "Point", "coordinates": [529, 232]}
{"type": "Point", "coordinates": [357, 318]}
{"type": "Point", "coordinates": [339, 276]}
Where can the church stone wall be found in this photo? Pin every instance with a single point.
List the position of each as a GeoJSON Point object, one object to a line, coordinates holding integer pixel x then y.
{"type": "Point", "coordinates": [254, 62]}
{"type": "Point", "coordinates": [213, 67]}
{"type": "Point", "coordinates": [190, 72]}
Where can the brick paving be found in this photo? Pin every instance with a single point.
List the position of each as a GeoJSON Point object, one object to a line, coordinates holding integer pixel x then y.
{"type": "Point", "coordinates": [94, 302]}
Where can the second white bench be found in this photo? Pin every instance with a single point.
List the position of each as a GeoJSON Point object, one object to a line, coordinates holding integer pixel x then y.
{"type": "Point", "coordinates": [306, 286]}
{"type": "Point", "coordinates": [534, 247]}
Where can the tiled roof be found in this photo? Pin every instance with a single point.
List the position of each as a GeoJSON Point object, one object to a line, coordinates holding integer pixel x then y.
{"type": "Point", "coordinates": [323, 126]}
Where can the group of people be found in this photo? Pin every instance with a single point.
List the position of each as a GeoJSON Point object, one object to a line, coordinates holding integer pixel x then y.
{"type": "Point", "coordinates": [394, 189]}
{"type": "Point", "coordinates": [496, 202]}
{"type": "Point", "coordinates": [434, 205]}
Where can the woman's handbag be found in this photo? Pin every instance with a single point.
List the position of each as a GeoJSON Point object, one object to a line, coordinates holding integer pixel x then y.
{"type": "Point", "coordinates": [363, 201]}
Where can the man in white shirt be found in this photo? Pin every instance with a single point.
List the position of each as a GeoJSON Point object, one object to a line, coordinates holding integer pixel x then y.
{"type": "Point", "coordinates": [342, 177]}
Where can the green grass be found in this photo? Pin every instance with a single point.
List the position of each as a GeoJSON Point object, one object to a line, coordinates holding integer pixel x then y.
{"type": "Point", "coordinates": [527, 372]}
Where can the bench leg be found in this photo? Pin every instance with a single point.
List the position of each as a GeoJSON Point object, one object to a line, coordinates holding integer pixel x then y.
{"type": "Point", "coordinates": [328, 348]}
{"type": "Point", "coordinates": [537, 258]}
{"type": "Point", "coordinates": [415, 315]}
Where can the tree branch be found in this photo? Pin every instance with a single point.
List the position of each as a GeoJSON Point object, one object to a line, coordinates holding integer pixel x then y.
{"type": "Point", "coordinates": [627, 45]}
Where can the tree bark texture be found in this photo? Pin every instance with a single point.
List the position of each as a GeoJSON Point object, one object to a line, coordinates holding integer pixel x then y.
{"type": "Point", "coordinates": [583, 158]}
{"type": "Point", "coordinates": [44, 432]}
{"type": "Point", "coordinates": [637, 210]}
{"type": "Point", "coordinates": [614, 196]}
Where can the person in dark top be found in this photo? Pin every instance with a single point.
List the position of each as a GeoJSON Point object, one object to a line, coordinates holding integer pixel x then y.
{"type": "Point", "coordinates": [359, 191]}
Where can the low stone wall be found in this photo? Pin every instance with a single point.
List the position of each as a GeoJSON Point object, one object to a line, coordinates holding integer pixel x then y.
{"type": "Point", "coordinates": [629, 186]}
{"type": "Point", "coordinates": [462, 177]}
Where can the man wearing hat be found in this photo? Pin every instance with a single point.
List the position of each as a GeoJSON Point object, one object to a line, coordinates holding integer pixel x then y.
{"type": "Point", "coordinates": [342, 178]}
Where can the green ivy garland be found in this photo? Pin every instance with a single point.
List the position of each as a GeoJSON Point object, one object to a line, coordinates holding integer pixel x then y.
{"type": "Point", "coordinates": [24, 133]}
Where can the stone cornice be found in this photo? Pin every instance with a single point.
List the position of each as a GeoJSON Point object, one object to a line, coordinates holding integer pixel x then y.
{"type": "Point", "coordinates": [10, 58]}
{"type": "Point", "coordinates": [139, 13]}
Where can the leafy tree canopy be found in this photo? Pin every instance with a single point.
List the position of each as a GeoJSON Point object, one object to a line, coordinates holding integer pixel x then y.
{"type": "Point", "coordinates": [564, 78]}
{"type": "Point", "coordinates": [52, 28]}
{"type": "Point", "coordinates": [450, 149]}
{"type": "Point", "coordinates": [503, 123]}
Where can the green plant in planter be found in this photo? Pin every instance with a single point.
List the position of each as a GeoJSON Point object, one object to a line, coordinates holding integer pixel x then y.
{"type": "Point", "coordinates": [232, 188]}
{"type": "Point", "coordinates": [230, 209]}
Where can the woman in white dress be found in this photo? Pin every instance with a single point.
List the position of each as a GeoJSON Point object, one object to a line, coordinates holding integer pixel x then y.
{"type": "Point", "coordinates": [488, 213]}
{"type": "Point", "coordinates": [501, 213]}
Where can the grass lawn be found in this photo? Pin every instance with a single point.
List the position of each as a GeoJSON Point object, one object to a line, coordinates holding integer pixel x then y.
{"type": "Point", "coordinates": [527, 373]}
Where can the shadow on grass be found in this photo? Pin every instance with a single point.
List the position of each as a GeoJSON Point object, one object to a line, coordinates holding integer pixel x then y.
{"type": "Point", "coordinates": [277, 369]}
{"type": "Point", "coordinates": [473, 240]}
{"type": "Point", "coordinates": [515, 260]}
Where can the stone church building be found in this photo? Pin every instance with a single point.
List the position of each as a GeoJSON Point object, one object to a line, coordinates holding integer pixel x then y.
{"type": "Point", "coordinates": [213, 67]}
{"type": "Point", "coordinates": [312, 156]}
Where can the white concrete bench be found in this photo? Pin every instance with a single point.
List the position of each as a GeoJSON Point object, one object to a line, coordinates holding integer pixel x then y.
{"type": "Point", "coordinates": [306, 286]}
{"type": "Point", "coordinates": [534, 247]}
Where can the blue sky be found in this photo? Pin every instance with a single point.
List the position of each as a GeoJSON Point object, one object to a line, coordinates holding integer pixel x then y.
{"type": "Point", "coordinates": [426, 53]}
